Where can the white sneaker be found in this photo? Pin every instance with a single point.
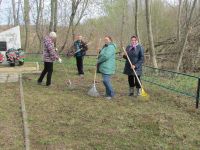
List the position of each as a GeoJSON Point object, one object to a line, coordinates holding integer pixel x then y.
{"type": "Point", "coordinates": [139, 91]}
{"type": "Point", "coordinates": [81, 75]}
{"type": "Point", "coordinates": [108, 98]}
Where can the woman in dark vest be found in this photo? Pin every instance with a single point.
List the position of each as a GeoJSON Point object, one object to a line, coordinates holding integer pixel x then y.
{"type": "Point", "coordinates": [81, 48]}
{"type": "Point", "coordinates": [136, 54]}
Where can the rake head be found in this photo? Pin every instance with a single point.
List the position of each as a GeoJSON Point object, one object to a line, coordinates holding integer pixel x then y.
{"type": "Point", "coordinates": [93, 91]}
{"type": "Point", "coordinates": [145, 95]}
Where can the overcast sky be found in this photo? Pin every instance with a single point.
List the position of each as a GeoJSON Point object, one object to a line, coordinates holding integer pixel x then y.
{"type": "Point", "coordinates": [6, 10]}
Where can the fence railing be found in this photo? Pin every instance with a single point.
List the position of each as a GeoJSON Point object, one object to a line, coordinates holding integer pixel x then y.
{"type": "Point", "coordinates": [184, 84]}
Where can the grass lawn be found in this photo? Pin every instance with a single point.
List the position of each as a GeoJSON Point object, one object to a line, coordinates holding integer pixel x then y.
{"type": "Point", "coordinates": [63, 118]}
{"type": "Point", "coordinates": [11, 137]}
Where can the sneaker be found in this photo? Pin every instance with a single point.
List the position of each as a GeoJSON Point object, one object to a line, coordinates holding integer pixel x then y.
{"type": "Point", "coordinates": [139, 91]}
{"type": "Point", "coordinates": [108, 98]}
{"type": "Point", "coordinates": [130, 94]}
{"type": "Point", "coordinates": [48, 84]}
{"type": "Point", "coordinates": [131, 91]}
{"type": "Point", "coordinates": [39, 83]}
{"type": "Point", "coordinates": [81, 75]}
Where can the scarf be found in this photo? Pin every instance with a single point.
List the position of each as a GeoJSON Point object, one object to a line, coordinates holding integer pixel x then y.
{"type": "Point", "coordinates": [133, 47]}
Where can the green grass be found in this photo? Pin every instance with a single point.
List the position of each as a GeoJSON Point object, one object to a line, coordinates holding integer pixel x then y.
{"type": "Point", "coordinates": [63, 118]}
{"type": "Point", "coordinates": [11, 132]}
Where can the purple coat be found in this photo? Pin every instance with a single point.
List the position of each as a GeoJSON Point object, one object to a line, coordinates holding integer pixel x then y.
{"type": "Point", "coordinates": [49, 52]}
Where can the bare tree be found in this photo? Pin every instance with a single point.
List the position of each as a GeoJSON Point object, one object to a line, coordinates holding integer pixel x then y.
{"type": "Point", "coordinates": [197, 58]}
{"type": "Point", "coordinates": [55, 14]}
{"type": "Point", "coordinates": [83, 8]}
{"type": "Point", "coordinates": [14, 12]}
{"type": "Point", "coordinates": [27, 22]}
{"type": "Point", "coordinates": [150, 34]}
{"type": "Point", "coordinates": [187, 31]}
{"type": "Point", "coordinates": [74, 6]}
{"type": "Point", "coordinates": [39, 32]}
{"type": "Point", "coordinates": [179, 21]}
{"type": "Point", "coordinates": [53, 21]}
{"type": "Point", "coordinates": [52, 16]}
{"type": "Point", "coordinates": [123, 23]}
{"type": "Point", "coordinates": [136, 19]}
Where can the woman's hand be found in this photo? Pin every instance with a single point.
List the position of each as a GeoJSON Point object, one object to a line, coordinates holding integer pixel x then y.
{"type": "Point", "coordinates": [133, 67]}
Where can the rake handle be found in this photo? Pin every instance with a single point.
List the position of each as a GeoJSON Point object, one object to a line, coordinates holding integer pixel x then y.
{"type": "Point", "coordinates": [132, 68]}
{"type": "Point", "coordinates": [95, 73]}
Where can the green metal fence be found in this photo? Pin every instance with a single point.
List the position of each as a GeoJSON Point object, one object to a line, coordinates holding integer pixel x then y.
{"type": "Point", "coordinates": [184, 84]}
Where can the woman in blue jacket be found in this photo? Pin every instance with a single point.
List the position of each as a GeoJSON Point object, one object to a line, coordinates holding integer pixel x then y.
{"type": "Point", "coordinates": [136, 54]}
{"type": "Point", "coordinates": [106, 65]}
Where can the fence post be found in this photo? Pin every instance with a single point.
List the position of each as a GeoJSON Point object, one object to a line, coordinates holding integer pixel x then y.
{"type": "Point", "coordinates": [197, 95]}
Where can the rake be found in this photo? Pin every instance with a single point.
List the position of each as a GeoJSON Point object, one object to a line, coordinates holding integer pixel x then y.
{"type": "Point", "coordinates": [144, 94]}
{"type": "Point", "coordinates": [93, 91]}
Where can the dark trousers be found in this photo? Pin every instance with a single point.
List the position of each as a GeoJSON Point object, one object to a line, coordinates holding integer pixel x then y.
{"type": "Point", "coordinates": [79, 64]}
{"type": "Point", "coordinates": [132, 80]}
{"type": "Point", "coordinates": [48, 69]}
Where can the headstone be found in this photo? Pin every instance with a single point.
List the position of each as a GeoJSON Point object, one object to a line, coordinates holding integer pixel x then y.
{"type": "Point", "coordinates": [10, 39]}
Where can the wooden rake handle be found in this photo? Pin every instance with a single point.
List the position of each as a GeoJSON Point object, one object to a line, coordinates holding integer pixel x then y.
{"type": "Point", "coordinates": [95, 73]}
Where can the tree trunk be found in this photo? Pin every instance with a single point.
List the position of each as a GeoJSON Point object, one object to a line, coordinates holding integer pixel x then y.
{"type": "Point", "coordinates": [197, 58]}
{"type": "Point", "coordinates": [83, 8]}
{"type": "Point", "coordinates": [52, 16]}
{"type": "Point", "coordinates": [55, 15]}
{"type": "Point", "coordinates": [27, 22]}
{"type": "Point", "coordinates": [187, 31]}
{"type": "Point", "coordinates": [75, 4]}
{"type": "Point", "coordinates": [14, 12]}
{"type": "Point", "coordinates": [179, 22]}
{"type": "Point", "coordinates": [38, 19]}
{"type": "Point", "coordinates": [123, 24]}
{"type": "Point", "coordinates": [150, 34]}
{"type": "Point", "coordinates": [18, 10]}
{"type": "Point", "coordinates": [136, 20]}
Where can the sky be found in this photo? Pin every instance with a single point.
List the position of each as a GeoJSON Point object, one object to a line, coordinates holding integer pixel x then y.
{"type": "Point", "coordinates": [6, 11]}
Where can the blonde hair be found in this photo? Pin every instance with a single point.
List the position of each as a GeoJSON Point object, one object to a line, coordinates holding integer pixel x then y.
{"type": "Point", "coordinates": [53, 35]}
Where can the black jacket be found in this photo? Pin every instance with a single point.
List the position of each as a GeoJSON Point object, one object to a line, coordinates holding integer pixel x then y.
{"type": "Point", "coordinates": [136, 56]}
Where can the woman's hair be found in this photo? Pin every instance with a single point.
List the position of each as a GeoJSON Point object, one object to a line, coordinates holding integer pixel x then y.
{"type": "Point", "coordinates": [134, 37]}
{"type": "Point", "coordinates": [52, 34]}
{"type": "Point", "coordinates": [110, 38]}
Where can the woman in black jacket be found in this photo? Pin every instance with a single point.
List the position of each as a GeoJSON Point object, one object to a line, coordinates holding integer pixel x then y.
{"type": "Point", "coordinates": [136, 54]}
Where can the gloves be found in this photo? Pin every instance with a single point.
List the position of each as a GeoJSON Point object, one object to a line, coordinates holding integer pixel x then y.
{"type": "Point", "coordinates": [59, 60]}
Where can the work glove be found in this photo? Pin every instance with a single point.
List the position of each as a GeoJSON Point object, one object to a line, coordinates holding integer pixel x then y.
{"type": "Point", "coordinates": [59, 60]}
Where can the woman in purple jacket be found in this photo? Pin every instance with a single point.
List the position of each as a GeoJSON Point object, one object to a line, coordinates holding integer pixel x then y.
{"type": "Point", "coordinates": [49, 56]}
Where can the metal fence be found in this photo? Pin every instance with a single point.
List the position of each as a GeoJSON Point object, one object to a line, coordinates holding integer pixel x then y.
{"type": "Point", "coordinates": [184, 84]}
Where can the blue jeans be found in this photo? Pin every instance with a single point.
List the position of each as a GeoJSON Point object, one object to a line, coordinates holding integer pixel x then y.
{"type": "Point", "coordinates": [107, 84]}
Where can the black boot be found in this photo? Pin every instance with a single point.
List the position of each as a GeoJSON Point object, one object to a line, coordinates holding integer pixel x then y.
{"type": "Point", "coordinates": [131, 91]}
